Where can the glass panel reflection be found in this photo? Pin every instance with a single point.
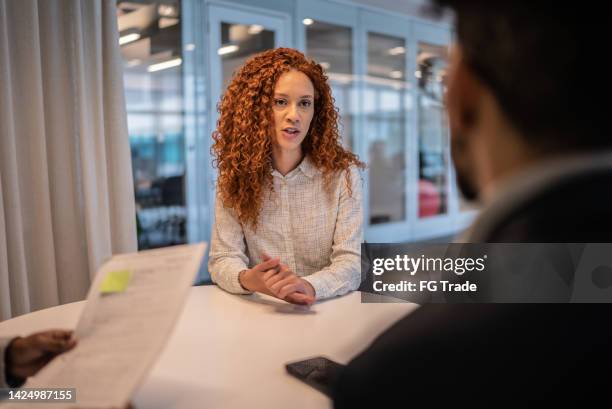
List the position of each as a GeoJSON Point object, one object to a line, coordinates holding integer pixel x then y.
{"type": "Point", "coordinates": [240, 42]}
{"type": "Point", "coordinates": [150, 39]}
{"type": "Point", "coordinates": [433, 130]}
{"type": "Point", "coordinates": [332, 46]}
{"type": "Point", "coordinates": [386, 104]}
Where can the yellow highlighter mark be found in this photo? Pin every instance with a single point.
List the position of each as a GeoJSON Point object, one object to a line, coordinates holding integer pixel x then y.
{"type": "Point", "coordinates": [115, 282]}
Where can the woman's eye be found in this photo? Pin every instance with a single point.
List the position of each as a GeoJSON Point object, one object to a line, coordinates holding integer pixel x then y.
{"type": "Point", "coordinates": [306, 103]}
{"type": "Point", "coordinates": [280, 102]}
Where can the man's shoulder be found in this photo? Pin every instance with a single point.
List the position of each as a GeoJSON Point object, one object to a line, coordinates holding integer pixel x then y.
{"type": "Point", "coordinates": [468, 355]}
{"type": "Point", "coordinates": [573, 209]}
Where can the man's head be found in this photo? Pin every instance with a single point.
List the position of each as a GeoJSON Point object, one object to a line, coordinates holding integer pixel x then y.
{"type": "Point", "coordinates": [523, 85]}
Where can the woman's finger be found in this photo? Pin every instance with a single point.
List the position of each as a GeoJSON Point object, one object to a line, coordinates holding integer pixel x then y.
{"type": "Point", "coordinates": [269, 274]}
{"type": "Point", "coordinates": [300, 299]}
{"type": "Point", "coordinates": [288, 289]}
{"type": "Point", "coordinates": [266, 265]}
{"type": "Point", "coordinates": [275, 288]}
{"type": "Point", "coordinates": [275, 278]}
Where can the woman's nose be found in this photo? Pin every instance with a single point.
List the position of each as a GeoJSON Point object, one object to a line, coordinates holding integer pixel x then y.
{"type": "Point", "coordinates": [292, 113]}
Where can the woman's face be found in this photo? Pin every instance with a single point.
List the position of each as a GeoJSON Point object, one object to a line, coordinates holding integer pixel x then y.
{"type": "Point", "coordinates": [293, 108]}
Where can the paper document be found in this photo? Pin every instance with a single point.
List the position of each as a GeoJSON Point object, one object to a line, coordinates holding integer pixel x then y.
{"type": "Point", "coordinates": [131, 310]}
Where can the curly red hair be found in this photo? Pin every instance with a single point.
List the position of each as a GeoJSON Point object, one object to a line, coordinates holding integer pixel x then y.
{"type": "Point", "coordinates": [243, 139]}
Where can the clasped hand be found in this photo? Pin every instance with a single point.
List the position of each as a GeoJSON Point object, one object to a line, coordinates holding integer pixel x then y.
{"type": "Point", "coordinates": [276, 279]}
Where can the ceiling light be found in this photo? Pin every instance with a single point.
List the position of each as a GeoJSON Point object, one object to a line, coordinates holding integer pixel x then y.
{"type": "Point", "coordinates": [255, 29]}
{"type": "Point", "coordinates": [133, 63]}
{"type": "Point", "coordinates": [128, 38]}
{"type": "Point", "coordinates": [165, 65]}
{"type": "Point", "coordinates": [308, 21]}
{"type": "Point", "coordinates": [167, 10]}
{"type": "Point", "coordinates": [418, 74]}
{"type": "Point", "coordinates": [424, 56]}
{"type": "Point", "coordinates": [190, 47]}
{"type": "Point", "coordinates": [397, 51]}
{"type": "Point", "coordinates": [396, 74]}
{"type": "Point", "coordinates": [166, 22]}
{"type": "Point", "coordinates": [228, 49]}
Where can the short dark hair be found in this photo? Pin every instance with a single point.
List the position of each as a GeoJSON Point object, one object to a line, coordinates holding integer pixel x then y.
{"type": "Point", "coordinates": [540, 60]}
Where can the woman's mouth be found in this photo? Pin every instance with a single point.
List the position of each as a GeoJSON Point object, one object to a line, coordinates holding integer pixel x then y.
{"type": "Point", "coordinates": [291, 133]}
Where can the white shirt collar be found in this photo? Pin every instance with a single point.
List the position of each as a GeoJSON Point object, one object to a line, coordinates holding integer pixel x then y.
{"type": "Point", "coordinates": [306, 167]}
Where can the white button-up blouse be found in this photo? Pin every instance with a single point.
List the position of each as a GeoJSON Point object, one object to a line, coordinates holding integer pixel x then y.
{"type": "Point", "coordinates": [317, 234]}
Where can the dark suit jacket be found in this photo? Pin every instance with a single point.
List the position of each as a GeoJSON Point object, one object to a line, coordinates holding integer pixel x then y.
{"type": "Point", "coordinates": [501, 355]}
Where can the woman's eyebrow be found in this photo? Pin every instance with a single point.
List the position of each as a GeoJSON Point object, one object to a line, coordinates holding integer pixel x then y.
{"type": "Point", "coordinates": [278, 94]}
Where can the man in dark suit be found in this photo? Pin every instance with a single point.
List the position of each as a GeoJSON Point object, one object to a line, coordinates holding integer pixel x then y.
{"type": "Point", "coordinates": [528, 141]}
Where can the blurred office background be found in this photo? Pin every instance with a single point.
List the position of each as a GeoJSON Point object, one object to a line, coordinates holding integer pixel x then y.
{"type": "Point", "coordinates": [386, 61]}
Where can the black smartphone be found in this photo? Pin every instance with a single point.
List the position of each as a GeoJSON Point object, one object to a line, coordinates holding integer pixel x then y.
{"type": "Point", "coordinates": [318, 372]}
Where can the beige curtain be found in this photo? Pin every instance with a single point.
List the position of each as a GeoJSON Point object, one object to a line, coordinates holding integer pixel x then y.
{"type": "Point", "coordinates": [66, 192]}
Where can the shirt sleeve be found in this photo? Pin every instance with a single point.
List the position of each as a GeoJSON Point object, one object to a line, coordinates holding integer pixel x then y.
{"type": "Point", "coordinates": [227, 257]}
{"type": "Point", "coordinates": [4, 342]}
{"type": "Point", "coordinates": [344, 272]}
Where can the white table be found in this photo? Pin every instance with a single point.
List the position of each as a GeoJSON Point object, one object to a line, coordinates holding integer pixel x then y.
{"type": "Point", "coordinates": [229, 351]}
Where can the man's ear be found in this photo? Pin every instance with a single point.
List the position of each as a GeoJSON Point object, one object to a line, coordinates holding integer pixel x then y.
{"type": "Point", "coordinates": [464, 94]}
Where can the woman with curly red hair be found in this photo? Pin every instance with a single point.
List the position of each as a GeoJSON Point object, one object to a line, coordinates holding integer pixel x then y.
{"type": "Point", "coordinates": [288, 218]}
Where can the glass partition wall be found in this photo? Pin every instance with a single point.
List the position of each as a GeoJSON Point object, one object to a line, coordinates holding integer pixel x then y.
{"type": "Point", "coordinates": [151, 46]}
{"type": "Point", "coordinates": [331, 45]}
{"type": "Point", "coordinates": [387, 73]}
{"type": "Point", "coordinates": [432, 130]}
{"type": "Point", "coordinates": [385, 110]}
